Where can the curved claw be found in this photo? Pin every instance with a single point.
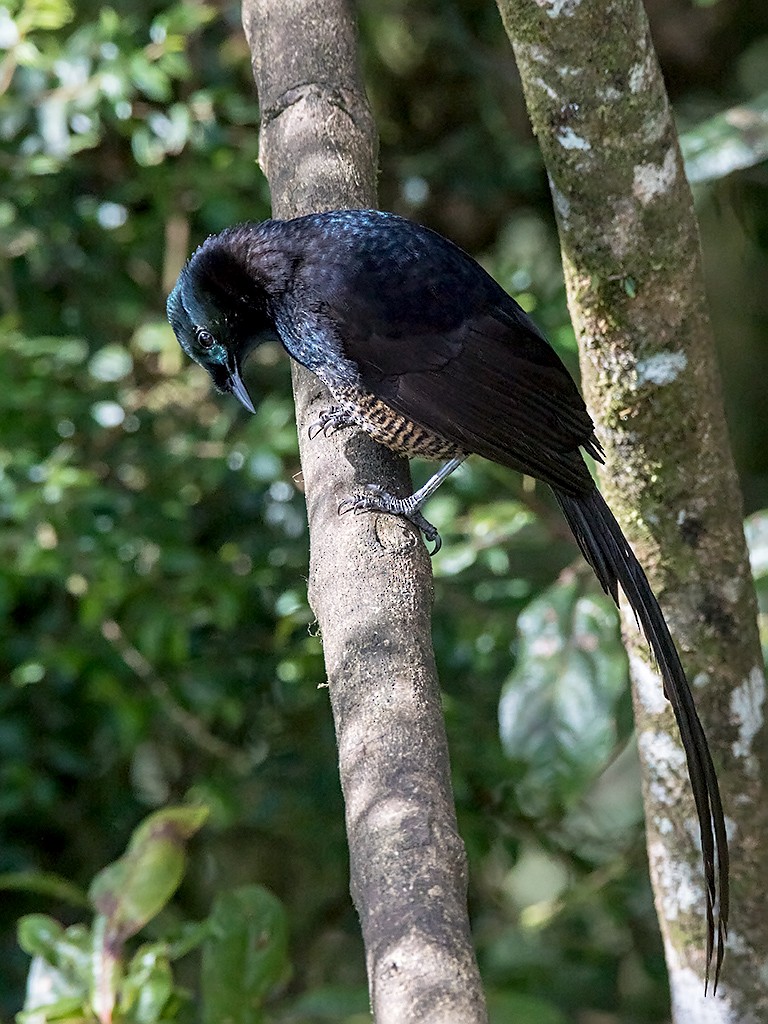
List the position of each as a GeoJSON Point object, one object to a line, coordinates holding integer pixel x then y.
{"type": "Point", "coordinates": [329, 421]}
{"type": "Point", "coordinates": [376, 499]}
{"type": "Point", "coordinates": [348, 505]}
{"type": "Point", "coordinates": [430, 532]}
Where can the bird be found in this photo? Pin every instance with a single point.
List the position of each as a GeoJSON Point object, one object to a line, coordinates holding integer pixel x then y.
{"type": "Point", "coordinates": [423, 350]}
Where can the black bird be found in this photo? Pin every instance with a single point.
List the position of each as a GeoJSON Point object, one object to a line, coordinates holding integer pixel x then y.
{"type": "Point", "coordinates": [424, 351]}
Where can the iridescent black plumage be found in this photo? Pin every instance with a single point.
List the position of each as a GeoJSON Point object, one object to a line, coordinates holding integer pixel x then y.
{"type": "Point", "coordinates": [420, 347]}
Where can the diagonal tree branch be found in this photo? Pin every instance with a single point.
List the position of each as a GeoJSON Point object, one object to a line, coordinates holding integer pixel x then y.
{"type": "Point", "coordinates": [633, 272]}
{"type": "Point", "coordinates": [370, 582]}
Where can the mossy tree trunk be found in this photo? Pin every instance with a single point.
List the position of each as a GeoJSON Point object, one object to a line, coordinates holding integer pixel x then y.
{"type": "Point", "coordinates": [370, 582]}
{"type": "Point", "coordinates": [632, 263]}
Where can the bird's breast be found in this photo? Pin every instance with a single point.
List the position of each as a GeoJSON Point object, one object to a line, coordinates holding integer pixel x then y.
{"type": "Point", "coordinates": [390, 428]}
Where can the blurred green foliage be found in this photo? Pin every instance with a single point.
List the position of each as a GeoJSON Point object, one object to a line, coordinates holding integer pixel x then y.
{"type": "Point", "coordinates": [157, 646]}
{"type": "Point", "coordinates": [757, 538]}
{"type": "Point", "coordinates": [86, 974]}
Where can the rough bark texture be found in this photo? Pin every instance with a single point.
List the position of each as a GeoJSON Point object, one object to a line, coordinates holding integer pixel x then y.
{"type": "Point", "coordinates": [633, 272]}
{"type": "Point", "coordinates": [370, 583]}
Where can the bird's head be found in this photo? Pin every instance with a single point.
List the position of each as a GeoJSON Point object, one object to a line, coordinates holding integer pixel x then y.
{"type": "Point", "coordinates": [219, 313]}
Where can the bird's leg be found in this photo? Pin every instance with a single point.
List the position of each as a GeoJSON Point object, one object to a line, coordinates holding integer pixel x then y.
{"type": "Point", "coordinates": [329, 420]}
{"type": "Point", "coordinates": [376, 499]}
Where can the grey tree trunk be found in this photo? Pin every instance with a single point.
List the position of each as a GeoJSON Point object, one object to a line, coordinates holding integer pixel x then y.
{"type": "Point", "coordinates": [633, 271]}
{"type": "Point", "coordinates": [370, 582]}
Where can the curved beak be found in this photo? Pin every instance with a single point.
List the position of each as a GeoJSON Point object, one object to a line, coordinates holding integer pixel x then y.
{"type": "Point", "coordinates": [239, 390]}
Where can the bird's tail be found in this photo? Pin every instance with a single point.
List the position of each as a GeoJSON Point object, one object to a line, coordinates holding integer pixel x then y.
{"type": "Point", "coordinates": [607, 551]}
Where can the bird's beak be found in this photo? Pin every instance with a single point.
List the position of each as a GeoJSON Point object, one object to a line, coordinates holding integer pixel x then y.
{"type": "Point", "coordinates": [238, 389]}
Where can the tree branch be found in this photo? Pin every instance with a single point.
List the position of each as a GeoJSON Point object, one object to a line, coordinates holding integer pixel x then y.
{"type": "Point", "coordinates": [370, 582]}
{"type": "Point", "coordinates": [633, 272]}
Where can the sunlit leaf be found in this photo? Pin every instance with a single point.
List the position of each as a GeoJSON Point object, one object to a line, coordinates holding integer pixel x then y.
{"type": "Point", "coordinates": [756, 531]}
{"type": "Point", "coordinates": [147, 987]}
{"type": "Point", "coordinates": [39, 935]}
{"type": "Point", "coordinates": [728, 142]}
{"type": "Point", "coordinates": [130, 892]}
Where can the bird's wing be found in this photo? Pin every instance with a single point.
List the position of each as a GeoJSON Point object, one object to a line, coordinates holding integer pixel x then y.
{"type": "Point", "coordinates": [436, 338]}
{"type": "Point", "coordinates": [495, 390]}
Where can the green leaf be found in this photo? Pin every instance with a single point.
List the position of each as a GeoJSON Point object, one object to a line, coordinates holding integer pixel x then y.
{"type": "Point", "coordinates": [47, 15]}
{"type": "Point", "coordinates": [756, 531]}
{"type": "Point", "coordinates": [149, 78]}
{"type": "Point", "coordinates": [245, 956]}
{"type": "Point", "coordinates": [730, 141]}
{"type": "Point", "coordinates": [557, 708]}
{"type": "Point", "coordinates": [67, 1010]}
{"type": "Point", "coordinates": [68, 951]}
{"type": "Point", "coordinates": [44, 883]}
{"type": "Point", "coordinates": [39, 935]}
{"type": "Point", "coordinates": [136, 887]}
{"type": "Point", "coordinates": [147, 987]}
{"type": "Point", "coordinates": [186, 18]}
{"type": "Point", "coordinates": [190, 935]}
{"type": "Point", "coordinates": [60, 987]}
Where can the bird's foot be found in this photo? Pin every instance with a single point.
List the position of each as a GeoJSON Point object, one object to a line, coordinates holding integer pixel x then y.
{"type": "Point", "coordinates": [329, 420]}
{"type": "Point", "coordinates": [376, 499]}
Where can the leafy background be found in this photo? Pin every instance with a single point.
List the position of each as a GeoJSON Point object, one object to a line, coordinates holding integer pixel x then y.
{"type": "Point", "coordinates": [157, 647]}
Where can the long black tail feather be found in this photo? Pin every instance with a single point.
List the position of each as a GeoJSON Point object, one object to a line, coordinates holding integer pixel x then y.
{"type": "Point", "coordinates": [607, 551]}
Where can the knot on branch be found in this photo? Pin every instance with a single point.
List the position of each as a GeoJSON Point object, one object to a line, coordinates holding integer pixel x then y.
{"type": "Point", "coordinates": [317, 92]}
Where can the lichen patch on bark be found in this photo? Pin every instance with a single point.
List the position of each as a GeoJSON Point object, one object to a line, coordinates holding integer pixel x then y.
{"type": "Point", "coordinates": [648, 685]}
{"type": "Point", "coordinates": [747, 704]}
{"type": "Point", "coordinates": [568, 138]}
{"type": "Point", "coordinates": [681, 888]}
{"type": "Point", "coordinates": [661, 368]}
{"type": "Point", "coordinates": [652, 180]}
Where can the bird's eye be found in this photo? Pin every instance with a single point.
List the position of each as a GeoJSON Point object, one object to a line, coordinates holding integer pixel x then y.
{"type": "Point", "coordinates": [205, 339]}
